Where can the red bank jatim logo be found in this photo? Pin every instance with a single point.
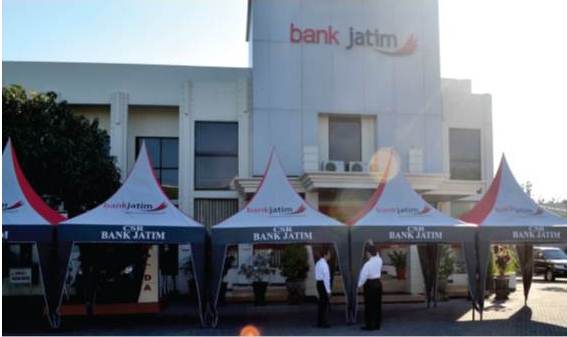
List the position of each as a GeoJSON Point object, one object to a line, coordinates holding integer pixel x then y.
{"type": "Point", "coordinates": [137, 207]}
{"type": "Point", "coordinates": [522, 211]}
{"type": "Point", "coordinates": [7, 207]}
{"type": "Point", "coordinates": [277, 211]}
{"type": "Point", "coordinates": [405, 211]}
{"type": "Point", "coordinates": [385, 43]}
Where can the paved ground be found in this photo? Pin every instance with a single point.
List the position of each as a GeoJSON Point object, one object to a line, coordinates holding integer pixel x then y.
{"type": "Point", "coordinates": [546, 314]}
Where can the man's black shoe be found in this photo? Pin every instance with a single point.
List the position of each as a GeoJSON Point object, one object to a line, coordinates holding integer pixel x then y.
{"type": "Point", "coordinates": [324, 326]}
{"type": "Point", "coordinates": [365, 328]}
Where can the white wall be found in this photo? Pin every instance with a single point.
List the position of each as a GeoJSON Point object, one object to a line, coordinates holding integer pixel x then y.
{"type": "Point", "coordinates": [94, 83]}
{"type": "Point", "coordinates": [294, 82]}
{"type": "Point", "coordinates": [467, 110]}
{"type": "Point", "coordinates": [92, 112]}
{"type": "Point", "coordinates": [149, 121]}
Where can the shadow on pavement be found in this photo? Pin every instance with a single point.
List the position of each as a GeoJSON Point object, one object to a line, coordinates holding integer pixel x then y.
{"type": "Point", "coordinates": [448, 318]}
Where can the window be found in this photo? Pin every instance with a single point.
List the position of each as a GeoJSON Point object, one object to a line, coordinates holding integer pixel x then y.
{"type": "Point", "coordinates": [210, 212]}
{"type": "Point", "coordinates": [164, 155]}
{"type": "Point", "coordinates": [345, 141]}
{"type": "Point", "coordinates": [464, 154]}
{"type": "Point", "coordinates": [216, 154]}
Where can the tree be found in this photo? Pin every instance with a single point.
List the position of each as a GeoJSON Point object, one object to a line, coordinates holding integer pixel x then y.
{"type": "Point", "coordinates": [64, 156]}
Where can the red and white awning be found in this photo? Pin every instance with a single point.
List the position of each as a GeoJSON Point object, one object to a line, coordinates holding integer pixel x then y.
{"type": "Point", "coordinates": [276, 203]}
{"type": "Point", "coordinates": [20, 204]}
{"type": "Point", "coordinates": [139, 201]}
{"type": "Point", "coordinates": [506, 204]}
{"type": "Point", "coordinates": [395, 203]}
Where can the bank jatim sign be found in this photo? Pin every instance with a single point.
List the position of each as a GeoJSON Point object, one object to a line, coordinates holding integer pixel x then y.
{"type": "Point", "coordinates": [382, 42]}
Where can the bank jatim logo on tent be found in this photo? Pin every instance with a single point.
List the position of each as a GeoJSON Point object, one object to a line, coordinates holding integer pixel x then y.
{"type": "Point", "coordinates": [383, 42]}
{"type": "Point", "coordinates": [404, 211]}
{"type": "Point", "coordinates": [277, 210]}
{"type": "Point", "coordinates": [415, 233]}
{"type": "Point", "coordinates": [137, 207]}
{"type": "Point", "coordinates": [536, 233]}
{"type": "Point", "coordinates": [7, 207]}
{"type": "Point", "coordinates": [132, 233]}
{"type": "Point", "coordinates": [520, 211]}
{"type": "Point", "coordinates": [286, 233]}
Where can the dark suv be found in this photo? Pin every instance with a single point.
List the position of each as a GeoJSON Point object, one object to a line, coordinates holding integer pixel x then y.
{"type": "Point", "coordinates": [551, 262]}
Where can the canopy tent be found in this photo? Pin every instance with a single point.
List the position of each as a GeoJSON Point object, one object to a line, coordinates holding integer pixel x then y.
{"type": "Point", "coordinates": [276, 215]}
{"type": "Point", "coordinates": [140, 212]}
{"type": "Point", "coordinates": [27, 219]}
{"type": "Point", "coordinates": [506, 214]}
{"type": "Point", "coordinates": [397, 214]}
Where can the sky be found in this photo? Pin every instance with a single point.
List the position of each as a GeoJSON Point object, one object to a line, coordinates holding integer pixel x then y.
{"type": "Point", "coordinates": [515, 50]}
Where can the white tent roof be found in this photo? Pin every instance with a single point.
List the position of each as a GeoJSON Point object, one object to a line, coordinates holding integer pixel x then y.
{"type": "Point", "coordinates": [395, 203]}
{"type": "Point", "coordinates": [277, 204]}
{"type": "Point", "coordinates": [506, 204]}
{"type": "Point", "coordinates": [20, 204]}
{"type": "Point", "coordinates": [139, 201]}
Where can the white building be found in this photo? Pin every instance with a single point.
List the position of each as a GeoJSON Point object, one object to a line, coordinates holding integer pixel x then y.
{"type": "Point", "coordinates": [329, 80]}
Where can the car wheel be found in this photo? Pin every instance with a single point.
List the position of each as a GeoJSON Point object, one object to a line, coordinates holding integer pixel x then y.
{"type": "Point", "coordinates": [549, 275]}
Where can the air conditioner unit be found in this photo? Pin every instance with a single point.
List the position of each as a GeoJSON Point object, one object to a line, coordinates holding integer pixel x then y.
{"type": "Point", "coordinates": [357, 166]}
{"type": "Point", "coordinates": [333, 166]}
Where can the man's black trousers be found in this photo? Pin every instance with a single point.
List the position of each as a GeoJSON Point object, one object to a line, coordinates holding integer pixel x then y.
{"type": "Point", "coordinates": [322, 317]}
{"type": "Point", "coordinates": [373, 303]}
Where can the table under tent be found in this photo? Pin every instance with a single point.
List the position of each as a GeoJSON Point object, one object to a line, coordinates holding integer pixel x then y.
{"type": "Point", "coordinates": [276, 215]}
{"type": "Point", "coordinates": [139, 214]}
{"type": "Point", "coordinates": [506, 214]}
{"type": "Point", "coordinates": [396, 214]}
{"type": "Point", "coordinates": [26, 219]}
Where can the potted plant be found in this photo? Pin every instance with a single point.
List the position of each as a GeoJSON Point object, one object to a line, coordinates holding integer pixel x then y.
{"type": "Point", "coordinates": [294, 269]}
{"type": "Point", "coordinates": [398, 259]}
{"type": "Point", "coordinates": [501, 261]}
{"type": "Point", "coordinates": [446, 268]}
{"type": "Point", "coordinates": [258, 272]}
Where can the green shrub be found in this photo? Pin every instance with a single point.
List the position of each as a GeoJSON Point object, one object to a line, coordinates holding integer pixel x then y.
{"type": "Point", "coordinates": [294, 263]}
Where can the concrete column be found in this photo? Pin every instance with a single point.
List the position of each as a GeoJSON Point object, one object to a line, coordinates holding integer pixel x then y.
{"type": "Point", "coordinates": [312, 199]}
{"type": "Point", "coordinates": [310, 158]}
{"type": "Point", "coordinates": [415, 276]}
{"type": "Point", "coordinates": [368, 134]}
{"type": "Point", "coordinates": [444, 207]}
{"type": "Point", "coordinates": [186, 149]}
{"type": "Point", "coordinates": [310, 285]}
{"type": "Point", "coordinates": [323, 136]}
{"type": "Point", "coordinates": [119, 131]}
{"type": "Point", "coordinates": [244, 107]}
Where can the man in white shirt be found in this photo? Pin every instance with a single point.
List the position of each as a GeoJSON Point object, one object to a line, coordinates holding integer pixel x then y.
{"type": "Point", "coordinates": [323, 278]}
{"type": "Point", "coordinates": [370, 279]}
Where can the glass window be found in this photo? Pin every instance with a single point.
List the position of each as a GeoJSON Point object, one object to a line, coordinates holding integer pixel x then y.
{"type": "Point", "coordinates": [464, 154]}
{"type": "Point", "coordinates": [164, 155]}
{"type": "Point", "coordinates": [216, 154]}
{"type": "Point", "coordinates": [210, 212]}
{"type": "Point", "coordinates": [345, 141]}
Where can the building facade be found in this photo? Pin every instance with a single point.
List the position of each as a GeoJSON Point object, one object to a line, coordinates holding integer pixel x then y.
{"type": "Point", "coordinates": [330, 82]}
